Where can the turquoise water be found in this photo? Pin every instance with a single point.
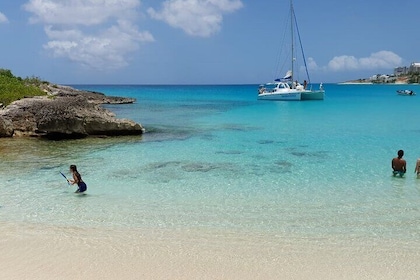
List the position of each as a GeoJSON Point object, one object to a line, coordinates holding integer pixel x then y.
{"type": "Point", "coordinates": [215, 158]}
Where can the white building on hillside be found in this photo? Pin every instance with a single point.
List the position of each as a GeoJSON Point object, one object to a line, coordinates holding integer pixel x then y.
{"type": "Point", "coordinates": [415, 67]}
{"type": "Point", "coordinates": [383, 78]}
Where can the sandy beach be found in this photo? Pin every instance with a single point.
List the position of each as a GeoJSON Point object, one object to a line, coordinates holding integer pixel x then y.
{"type": "Point", "coordinates": [40, 252]}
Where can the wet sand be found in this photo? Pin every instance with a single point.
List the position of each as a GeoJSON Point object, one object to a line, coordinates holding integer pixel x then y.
{"type": "Point", "coordinates": [43, 252]}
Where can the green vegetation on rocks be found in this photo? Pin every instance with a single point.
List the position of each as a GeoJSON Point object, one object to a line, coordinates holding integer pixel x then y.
{"type": "Point", "coordinates": [14, 88]}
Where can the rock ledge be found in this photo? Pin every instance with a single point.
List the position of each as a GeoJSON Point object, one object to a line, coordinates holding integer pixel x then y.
{"type": "Point", "coordinates": [65, 113]}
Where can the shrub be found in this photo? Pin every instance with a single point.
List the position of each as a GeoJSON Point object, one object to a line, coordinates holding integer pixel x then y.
{"type": "Point", "coordinates": [14, 88]}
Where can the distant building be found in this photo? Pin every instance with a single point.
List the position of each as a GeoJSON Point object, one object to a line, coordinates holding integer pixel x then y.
{"type": "Point", "coordinates": [403, 70]}
{"type": "Point", "coordinates": [383, 78]}
{"type": "Point", "coordinates": [415, 67]}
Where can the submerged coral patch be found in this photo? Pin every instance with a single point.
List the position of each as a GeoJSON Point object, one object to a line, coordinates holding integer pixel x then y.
{"type": "Point", "coordinates": [317, 154]}
{"type": "Point", "coordinates": [263, 142]}
{"type": "Point", "coordinates": [282, 166]}
{"type": "Point", "coordinates": [231, 152]}
{"type": "Point", "coordinates": [198, 167]}
{"type": "Point", "coordinates": [161, 165]}
{"type": "Point", "coordinates": [238, 127]}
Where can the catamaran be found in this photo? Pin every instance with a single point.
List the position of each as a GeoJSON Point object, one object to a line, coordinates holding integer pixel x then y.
{"type": "Point", "coordinates": [287, 88]}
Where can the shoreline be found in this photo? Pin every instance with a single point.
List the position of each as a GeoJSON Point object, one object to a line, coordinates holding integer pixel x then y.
{"type": "Point", "coordinates": [370, 83]}
{"type": "Point", "coordinates": [354, 83]}
{"type": "Point", "coordinates": [52, 252]}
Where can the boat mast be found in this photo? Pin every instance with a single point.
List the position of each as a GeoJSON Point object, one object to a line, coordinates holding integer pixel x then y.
{"type": "Point", "coordinates": [292, 37]}
{"type": "Point", "coordinates": [301, 47]}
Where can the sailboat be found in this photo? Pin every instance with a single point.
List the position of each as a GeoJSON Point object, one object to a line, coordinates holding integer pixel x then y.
{"type": "Point", "coordinates": [287, 88]}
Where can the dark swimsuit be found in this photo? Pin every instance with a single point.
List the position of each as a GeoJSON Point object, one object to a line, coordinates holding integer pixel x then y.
{"type": "Point", "coordinates": [397, 172]}
{"type": "Point", "coordinates": [82, 185]}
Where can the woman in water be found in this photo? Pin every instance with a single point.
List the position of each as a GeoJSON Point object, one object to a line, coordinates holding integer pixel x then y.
{"type": "Point", "coordinates": [77, 179]}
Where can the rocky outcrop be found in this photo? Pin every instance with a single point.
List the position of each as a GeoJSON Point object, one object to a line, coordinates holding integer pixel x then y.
{"type": "Point", "coordinates": [92, 96]}
{"type": "Point", "coordinates": [6, 127]}
{"type": "Point", "coordinates": [65, 113]}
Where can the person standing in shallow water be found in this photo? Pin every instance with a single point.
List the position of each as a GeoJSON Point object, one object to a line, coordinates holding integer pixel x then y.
{"type": "Point", "coordinates": [417, 169]}
{"type": "Point", "coordinates": [399, 164]}
{"type": "Point", "coordinates": [77, 179]}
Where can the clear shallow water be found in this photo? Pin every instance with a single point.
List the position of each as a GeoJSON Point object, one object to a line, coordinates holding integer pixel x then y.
{"type": "Point", "coordinates": [215, 158]}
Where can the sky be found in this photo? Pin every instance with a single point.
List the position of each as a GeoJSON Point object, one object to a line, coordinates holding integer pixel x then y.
{"type": "Point", "coordinates": [202, 41]}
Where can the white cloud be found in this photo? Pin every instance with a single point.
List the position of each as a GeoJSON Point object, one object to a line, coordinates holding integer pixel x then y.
{"type": "Point", "coordinates": [378, 60]}
{"type": "Point", "coordinates": [196, 17]}
{"type": "Point", "coordinates": [96, 33]}
{"type": "Point", "coordinates": [3, 18]}
{"type": "Point", "coordinates": [79, 12]}
{"type": "Point", "coordinates": [106, 50]}
{"type": "Point", "coordinates": [312, 65]}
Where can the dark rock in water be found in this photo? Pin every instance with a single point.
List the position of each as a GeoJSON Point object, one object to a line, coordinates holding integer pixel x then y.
{"type": "Point", "coordinates": [65, 113]}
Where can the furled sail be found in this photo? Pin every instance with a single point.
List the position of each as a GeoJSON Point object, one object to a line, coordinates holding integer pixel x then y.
{"type": "Point", "coordinates": [288, 75]}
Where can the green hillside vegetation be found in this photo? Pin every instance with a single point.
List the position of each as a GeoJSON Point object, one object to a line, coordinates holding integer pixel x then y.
{"type": "Point", "coordinates": [14, 88]}
{"type": "Point", "coordinates": [414, 78]}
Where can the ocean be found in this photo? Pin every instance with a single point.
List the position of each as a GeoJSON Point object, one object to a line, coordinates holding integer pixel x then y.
{"type": "Point", "coordinates": [214, 159]}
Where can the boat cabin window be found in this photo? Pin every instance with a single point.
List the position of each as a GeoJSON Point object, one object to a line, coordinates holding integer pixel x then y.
{"type": "Point", "coordinates": [270, 87]}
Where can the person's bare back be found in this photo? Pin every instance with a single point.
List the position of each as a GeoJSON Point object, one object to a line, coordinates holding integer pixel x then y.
{"type": "Point", "coordinates": [399, 165]}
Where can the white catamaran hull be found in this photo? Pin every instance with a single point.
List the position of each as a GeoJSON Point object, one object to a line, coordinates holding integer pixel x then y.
{"type": "Point", "coordinates": [313, 95]}
{"type": "Point", "coordinates": [295, 96]}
